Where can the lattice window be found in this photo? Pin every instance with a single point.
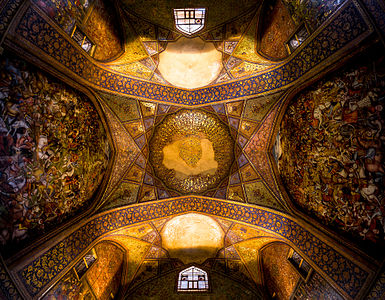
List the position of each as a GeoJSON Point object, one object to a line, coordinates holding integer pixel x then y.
{"type": "Point", "coordinates": [193, 279]}
{"type": "Point", "coordinates": [301, 265]}
{"type": "Point", "coordinates": [85, 263]}
{"type": "Point", "coordinates": [83, 41]}
{"type": "Point", "coordinates": [189, 20]}
{"type": "Point", "coordinates": [297, 38]}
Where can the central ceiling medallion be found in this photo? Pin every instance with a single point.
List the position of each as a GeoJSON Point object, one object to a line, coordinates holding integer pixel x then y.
{"type": "Point", "coordinates": [191, 151]}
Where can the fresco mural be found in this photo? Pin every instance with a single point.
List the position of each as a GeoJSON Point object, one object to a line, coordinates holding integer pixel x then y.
{"type": "Point", "coordinates": [53, 151]}
{"type": "Point", "coordinates": [332, 138]}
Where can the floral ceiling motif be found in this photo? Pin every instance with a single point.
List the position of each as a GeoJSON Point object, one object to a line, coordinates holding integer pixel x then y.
{"type": "Point", "coordinates": [249, 118]}
{"type": "Point", "coordinates": [151, 128]}
{"type": "Point", "coordinates": [191, 151]}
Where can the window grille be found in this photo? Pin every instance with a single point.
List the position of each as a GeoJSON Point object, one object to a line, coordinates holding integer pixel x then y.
{"type": "Point", "coordinates": [82, 40]}
{"type": "Point", "coordinates": [193, 279]}
{"type": "Point", "coordinates": [297, 38]}
{"type": "Point", "coordinates": [85, 263]}
{"type": "Point", "coordinates": [301, 265]}
{"type": "Point", "coordinates": [189, 20]}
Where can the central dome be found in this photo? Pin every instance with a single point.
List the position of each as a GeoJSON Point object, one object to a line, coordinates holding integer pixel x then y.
{"type": "Point", "coordinates": [191, 151]}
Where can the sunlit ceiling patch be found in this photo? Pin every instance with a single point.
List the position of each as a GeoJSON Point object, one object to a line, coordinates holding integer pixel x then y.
{"type": "Point", "coordinates": [190, 63]}
{"type": "Point", "coordinates": [189, 20]}
{"type": "Point", "coordinates": [192, 238]}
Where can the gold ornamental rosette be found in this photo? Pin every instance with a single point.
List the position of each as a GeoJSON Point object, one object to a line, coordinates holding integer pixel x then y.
{"type": "Point", "coordinates": [191, 151]}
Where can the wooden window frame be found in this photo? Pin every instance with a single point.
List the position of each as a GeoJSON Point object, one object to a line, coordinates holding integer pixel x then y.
{"type": "Point", "coordinates": [79, 29]}
{"type": "Point", "coordinates": [305, 275]}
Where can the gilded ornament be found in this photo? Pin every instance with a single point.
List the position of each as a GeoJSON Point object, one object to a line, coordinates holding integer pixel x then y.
{"type": "Point", "coordinates": [191, 151]}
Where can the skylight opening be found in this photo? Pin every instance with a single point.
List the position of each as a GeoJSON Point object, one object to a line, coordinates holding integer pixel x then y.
{"type": "Point", "coordinates": [189, 20]}
{"type": "Point", "coordinates": [193, 279]}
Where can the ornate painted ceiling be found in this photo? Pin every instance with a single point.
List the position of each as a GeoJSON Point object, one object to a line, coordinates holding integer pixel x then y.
{"type": "Point", "coordinates": [146, 42]}
{"type": "Point", "coordinates": [151, 127]}
{"type": "Point", "coordinates": [276, 148]}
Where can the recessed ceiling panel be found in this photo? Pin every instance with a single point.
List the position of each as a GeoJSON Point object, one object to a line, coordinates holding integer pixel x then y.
{"type": "Point", "coordinates": [191, 151]}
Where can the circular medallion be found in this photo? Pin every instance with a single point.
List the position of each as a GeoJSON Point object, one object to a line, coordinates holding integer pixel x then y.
{"type": "Point", "coordinates": [191, 151]}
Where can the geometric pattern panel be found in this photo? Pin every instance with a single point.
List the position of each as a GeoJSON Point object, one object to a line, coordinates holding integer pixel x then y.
{"type": "Point", "coordinates": [125, 146]}
{"type": "Point", "coordinates": [256, 149]}
{"type": "Point", "coordinates": [243, 181]}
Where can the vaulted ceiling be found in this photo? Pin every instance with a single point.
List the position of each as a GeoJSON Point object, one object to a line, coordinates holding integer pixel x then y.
{"type": "Point", "coordinates": [150, 125]}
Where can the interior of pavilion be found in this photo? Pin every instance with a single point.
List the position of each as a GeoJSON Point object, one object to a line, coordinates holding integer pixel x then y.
{"type": "Point", "coordinates": [192, 149]}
